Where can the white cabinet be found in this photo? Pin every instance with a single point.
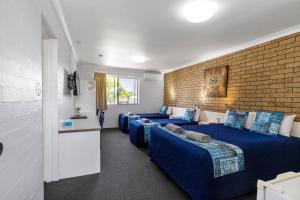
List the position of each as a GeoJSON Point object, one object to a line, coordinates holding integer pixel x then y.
{"type": "Point", "coordinates": [79, 147]}
{"type": "Point", "coordinates": [79, 153]}
{"type": "Point", "coordinates": [285, 187]}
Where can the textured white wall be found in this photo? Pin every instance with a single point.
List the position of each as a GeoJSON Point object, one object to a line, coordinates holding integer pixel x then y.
{"type": "Point", "coordinates": [151, 94]}
{"type": "Point", "coordinates": [21, 164]}
{"type": "Point", "coordinates": [66, 60]}
{"type": "Point", "coordinates": [87, 98]}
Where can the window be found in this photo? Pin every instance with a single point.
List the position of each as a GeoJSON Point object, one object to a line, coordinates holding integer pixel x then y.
{"type": "Point", "coordinates": [122, 90]}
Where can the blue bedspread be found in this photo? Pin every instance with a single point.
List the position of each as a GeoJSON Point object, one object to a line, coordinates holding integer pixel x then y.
{"type": "Point", "coordinates": [226, 158]}
{"type": "Point", "coordinates": [136, 132]}
{"type": "Point", "coordinates": [191, 167]}
{"type": "Point", "coordinates": [123, 119]}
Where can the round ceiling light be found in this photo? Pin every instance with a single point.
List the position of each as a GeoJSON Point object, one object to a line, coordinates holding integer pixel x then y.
{"type": "Point", "coordinates": [138, 59]}
{"type": "Point", "coordinates": [199, 11]}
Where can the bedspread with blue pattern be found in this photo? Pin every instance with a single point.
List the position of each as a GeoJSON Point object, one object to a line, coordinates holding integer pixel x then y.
{"type": "Point", "coordinates": [123, 119]}
{"type": "Point", "coordinates": [132, 117]}
{"type": "Point", "coordinates": [227, 158]}
{"type": "Point", "coordinates": [137, 130]}
{"type": "Point", "coordinates": [192, 167]}
{"type": "Point", "coordinates": [147, 129]}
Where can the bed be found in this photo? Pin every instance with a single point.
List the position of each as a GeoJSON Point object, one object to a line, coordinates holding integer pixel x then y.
{"type": "Point", "coordinates": [123, 119]}
{"type": "Point", "coordinates": [191, 167]}
{"type": "Point", "coordinates": [137, 131]}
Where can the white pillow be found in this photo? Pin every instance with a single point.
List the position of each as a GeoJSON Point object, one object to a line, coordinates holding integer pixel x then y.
{"type": "Point", "coordinates": [250, 120]}
{"type": "Point", "coordinates": [178, 111]}
{"type": "Point", "coordinates": [196, 115]}
{"type": "Point", "coordinates": [286, 125]}
{"type": "Point", "coordinates": [226, 115]}
{"type": "Point", "coordinates": [176, 116]}
{"type": "Point", "coordinates": [295, 132]}
{"type": "Point", "coordinates": [169, 110]}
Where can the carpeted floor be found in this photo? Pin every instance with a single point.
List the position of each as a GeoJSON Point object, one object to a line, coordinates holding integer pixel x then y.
{"type": "Point", "coordinates": [127, 174]}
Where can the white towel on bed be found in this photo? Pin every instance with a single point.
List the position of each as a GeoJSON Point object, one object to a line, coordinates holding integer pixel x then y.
{"type": "Point", "coordinates": [174, 128]}
{"type": "Point", "coordinates": [145, 120]}
{"type": "Point", "coordinates": [199, 137]}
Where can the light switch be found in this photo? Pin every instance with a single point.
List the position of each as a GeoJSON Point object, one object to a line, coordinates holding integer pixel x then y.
{"type": "Point", "coordinates": [38, 89]}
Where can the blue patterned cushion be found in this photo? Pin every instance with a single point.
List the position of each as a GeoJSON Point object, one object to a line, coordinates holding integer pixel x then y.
{"type": "Point", "coordinates": [236, 119]}
{"type": "Point", "coordinates": [189, 114]}
{"type": "Point", "coordinates": [267, 122]}
{"type": "Point", "coordinates": [230, 118]}
{"type": "Point", "coordinates": [163, 110]}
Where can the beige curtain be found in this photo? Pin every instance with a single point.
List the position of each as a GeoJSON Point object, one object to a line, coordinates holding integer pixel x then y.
{"type": "Point", "coordinates": [100, 79]}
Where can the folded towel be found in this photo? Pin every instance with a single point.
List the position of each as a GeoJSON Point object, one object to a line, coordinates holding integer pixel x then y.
{"type": "Point", "coordinates": [175, 129]}
{"type": "Point", "coordinates": [199, 137]}
{"type": "Point", "coordinates": [145, 120]}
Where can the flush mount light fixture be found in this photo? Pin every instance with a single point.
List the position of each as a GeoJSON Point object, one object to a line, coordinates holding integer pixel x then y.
{"type": "Point", "coordinates": [199, 11]}
{"type": "Point", "coordinates": [138, 59]}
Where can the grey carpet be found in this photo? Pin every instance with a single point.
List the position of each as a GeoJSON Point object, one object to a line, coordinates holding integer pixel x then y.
{"type": "Point", "coordinates": [127, 174]}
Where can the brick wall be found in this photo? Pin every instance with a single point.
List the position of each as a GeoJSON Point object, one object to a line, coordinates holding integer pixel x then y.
{"type": "Point", "coordinates": [262, 77]}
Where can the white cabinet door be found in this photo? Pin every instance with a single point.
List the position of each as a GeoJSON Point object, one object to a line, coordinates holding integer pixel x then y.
{"type": "Point", "coordinates": [79, 153]}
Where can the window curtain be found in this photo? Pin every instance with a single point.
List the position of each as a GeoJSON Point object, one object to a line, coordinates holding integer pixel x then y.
{"type": "Point", "coordinates": [101, 102]}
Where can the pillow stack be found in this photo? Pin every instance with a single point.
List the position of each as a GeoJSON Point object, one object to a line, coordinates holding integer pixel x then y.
{"type": "Point", "coordinates": [269, 123]}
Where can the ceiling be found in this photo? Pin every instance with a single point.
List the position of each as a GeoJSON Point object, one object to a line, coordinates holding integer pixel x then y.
{"type": "Point", "coordinates": [119, 29]}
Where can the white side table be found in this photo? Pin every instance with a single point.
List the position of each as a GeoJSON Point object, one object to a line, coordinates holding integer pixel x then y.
{"type": "Point", "coordinates": [283, 187]}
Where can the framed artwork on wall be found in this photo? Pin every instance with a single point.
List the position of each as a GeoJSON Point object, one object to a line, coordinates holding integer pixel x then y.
{"type": "Point", "coordinates": [215, 81]}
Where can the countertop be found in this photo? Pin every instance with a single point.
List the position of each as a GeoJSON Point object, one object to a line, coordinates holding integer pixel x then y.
{"type": "Point", "coordinates": [81, 125]}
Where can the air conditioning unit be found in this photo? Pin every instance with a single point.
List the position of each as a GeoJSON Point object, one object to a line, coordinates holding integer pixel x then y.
{"type": "Point", "coordinates": [153, 77]}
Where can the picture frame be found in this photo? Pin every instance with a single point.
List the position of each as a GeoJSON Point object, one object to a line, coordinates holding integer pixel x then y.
{"type": "Point", "coordinates": [215, 81]}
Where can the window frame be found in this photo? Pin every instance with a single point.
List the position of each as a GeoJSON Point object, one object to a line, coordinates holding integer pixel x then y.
{"type": "Point", "coordinates": [116, 90]}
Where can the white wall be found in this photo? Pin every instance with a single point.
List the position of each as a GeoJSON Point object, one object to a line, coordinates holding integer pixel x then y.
{"type": "Point", "coordinates": [53, 28]}
{"type": "Point", "coordinates": [66, 60]}
{"type": "Point", "coordinates": [21, 164]}
{"type": "Point", "coordinates": [151, 94]}
{"type": "Point", "coordinates": [87, 98]}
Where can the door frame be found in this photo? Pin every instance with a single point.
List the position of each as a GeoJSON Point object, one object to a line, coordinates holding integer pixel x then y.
{"type": "Point", "coordinates": [50, 110]}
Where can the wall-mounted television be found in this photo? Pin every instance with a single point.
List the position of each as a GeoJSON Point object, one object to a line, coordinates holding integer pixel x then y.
{"type": "Point", "coordinates": [74, 83]}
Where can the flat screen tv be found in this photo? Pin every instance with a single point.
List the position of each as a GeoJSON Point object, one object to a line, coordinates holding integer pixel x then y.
{"type": "Point", "coordinates": [74, 83]}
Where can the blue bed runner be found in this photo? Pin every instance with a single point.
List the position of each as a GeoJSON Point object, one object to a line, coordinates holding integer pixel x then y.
{"type": "Point", "coordinates": [132, 117]}
{"type": "Point", "coordinates": [227, 158]}
{"type": "Point", "coordinates": [147, 129]}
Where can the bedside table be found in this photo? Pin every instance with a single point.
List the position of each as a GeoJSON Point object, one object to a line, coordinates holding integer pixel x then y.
{"type": "Point", "coordinates": [284, 186]}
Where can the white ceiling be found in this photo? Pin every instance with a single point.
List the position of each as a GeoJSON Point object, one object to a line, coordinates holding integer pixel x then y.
{"type": "Point", "coordinates": [119, 29]}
